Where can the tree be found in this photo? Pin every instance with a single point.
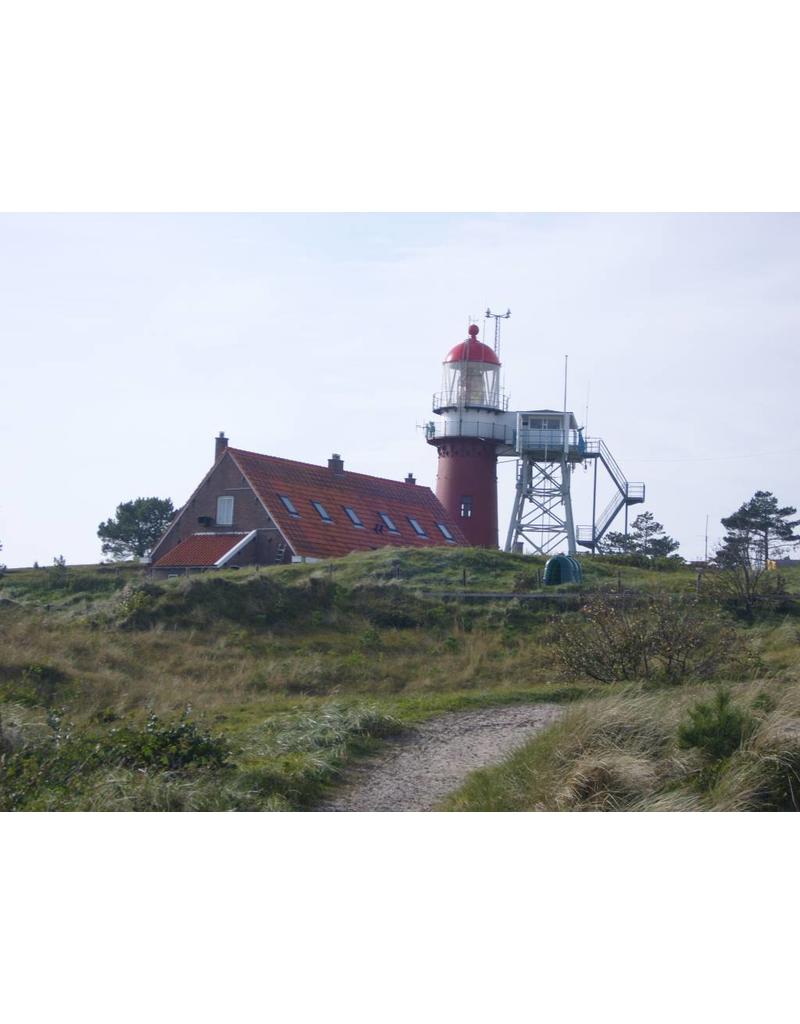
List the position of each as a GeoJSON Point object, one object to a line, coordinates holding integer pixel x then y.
{"type": "Point", "coordinates": [616, 543]}
{"type": "Point", "coordinates": [137, 526]}
{"type": "Point", "coordinates": [756, 530]}
{"type": "Point", "coordinates": [646, 537]}
{"type": "Point", "coordinates": [757, 527]}
{"type": "Point", "coordinates": [741, 579]}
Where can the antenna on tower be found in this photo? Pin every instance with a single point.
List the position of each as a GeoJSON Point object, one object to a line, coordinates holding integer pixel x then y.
{"type": "Point", "coordinates": [497, 317]}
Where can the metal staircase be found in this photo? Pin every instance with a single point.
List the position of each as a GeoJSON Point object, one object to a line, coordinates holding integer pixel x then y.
{"type": "Point", "coordinates": [626, 494]}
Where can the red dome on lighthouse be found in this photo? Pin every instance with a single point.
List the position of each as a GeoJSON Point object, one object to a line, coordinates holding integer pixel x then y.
{"type": "Point", "coordinates": [472, 351]}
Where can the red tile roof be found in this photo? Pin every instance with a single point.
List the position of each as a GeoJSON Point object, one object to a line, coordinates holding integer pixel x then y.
{"type": "Point", "coordinates": [201, 549]}
{"type": "Point", "coordinates": [311, 537]}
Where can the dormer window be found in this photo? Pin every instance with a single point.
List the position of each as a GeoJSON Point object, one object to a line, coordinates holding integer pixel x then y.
{"type": "Point", "coordinates": [225, 510]}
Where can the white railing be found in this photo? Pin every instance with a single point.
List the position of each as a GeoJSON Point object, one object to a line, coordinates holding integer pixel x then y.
{"type": "Point", "coordinates": [455, 398]}
{"type": "Point", "coordinates": [470, 428]}
{"type": "Point", "coordinates": [550, 441]}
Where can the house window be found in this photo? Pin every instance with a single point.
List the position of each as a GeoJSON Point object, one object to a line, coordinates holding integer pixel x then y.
{"type": "Point", "coordinates": [288, 504]}
{"type": "Point", "coordinates": [388, 522]}
{"type": "Point", "coordinates": [323, 512]}
{"type": "Point", "coordinates": [225, 511]}
{"type": "Point", "coordinates": [417, 527]}
{"type": "Point", "coordinates": [446, 533]}
{"type": "Point", "coordinates": [353, 516]}
{"type": "Point", "coordinates": [466, 507]}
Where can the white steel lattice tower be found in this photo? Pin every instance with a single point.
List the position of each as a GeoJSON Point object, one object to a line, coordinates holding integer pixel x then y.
{"type": "Point", "coordinates": [549, 445]}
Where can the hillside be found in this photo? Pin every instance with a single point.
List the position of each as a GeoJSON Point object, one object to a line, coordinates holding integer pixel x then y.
{"type": "Point", "coordinates": [253, 689]}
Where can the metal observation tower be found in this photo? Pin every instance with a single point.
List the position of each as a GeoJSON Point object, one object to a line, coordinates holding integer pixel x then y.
{"type": "Point", "coordinates": [476, 427]}
{"type": "Point", "coordinates": [549, 445]}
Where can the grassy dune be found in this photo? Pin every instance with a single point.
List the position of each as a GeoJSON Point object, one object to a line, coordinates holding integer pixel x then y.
{"type": "Point", "coordinates": [252, 690]}
{"type": "Point", "coordinates": [293, 671]}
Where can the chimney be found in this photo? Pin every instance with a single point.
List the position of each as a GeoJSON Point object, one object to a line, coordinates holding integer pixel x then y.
{"type": "Point", "coordinates": [220, 445]}
{"type": "Point", "coordinates": [410, 479]}
{"type": "Point", "coordinates": [335, 464]}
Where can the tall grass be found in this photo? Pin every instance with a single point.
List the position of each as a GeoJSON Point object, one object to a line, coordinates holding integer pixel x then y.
{"type": "Point", "coordinates": [623, 752]}
{"type": "Point", "coordinates": [302, 668]}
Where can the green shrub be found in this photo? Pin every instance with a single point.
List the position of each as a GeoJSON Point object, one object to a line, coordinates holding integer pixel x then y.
{"type": "Point", "coordinates": [35, 685]}
{"type": "Point", "coordinates": [661, 638]}
{"type": "Point", "coordinates": [370, 640]}
{"type": "Point", "coordinates": [170, 746]}
{"type": "Point", "coordinates": [716, 728]}
{"type": "Point", "coordinates": [70, 760]}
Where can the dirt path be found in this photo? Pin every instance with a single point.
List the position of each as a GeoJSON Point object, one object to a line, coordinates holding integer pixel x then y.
{"type": "Point", "coordinates": [418, 772]}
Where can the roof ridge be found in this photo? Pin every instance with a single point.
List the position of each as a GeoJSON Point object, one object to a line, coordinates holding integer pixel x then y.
{"type": "Point", "coordinates": [316, 465]}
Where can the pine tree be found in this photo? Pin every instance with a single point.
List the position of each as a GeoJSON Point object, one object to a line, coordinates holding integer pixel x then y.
{"type": "Point", "coordinates": [646, 537]}
{"type": "Point", "coordinates": [136, 527]}
{"type": "Point", "coordinates": [759, 528]}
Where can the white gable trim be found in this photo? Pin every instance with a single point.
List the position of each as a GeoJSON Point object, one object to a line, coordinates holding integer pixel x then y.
{"type": "Point", "coordinates": [235, 549]}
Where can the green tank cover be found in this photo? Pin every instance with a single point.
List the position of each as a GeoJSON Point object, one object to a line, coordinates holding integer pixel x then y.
{"type": "Point", "coordinates": [562, 569]}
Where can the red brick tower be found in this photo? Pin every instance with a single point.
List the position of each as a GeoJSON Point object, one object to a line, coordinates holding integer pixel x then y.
{"type": "Point", "coordinates": [474, 426]}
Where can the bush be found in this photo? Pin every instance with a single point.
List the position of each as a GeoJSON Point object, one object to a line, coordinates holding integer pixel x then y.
{"type": "Point", "coordinates": [636, 560]}
{"type": "Point", "coordinates": [716, 728]}
{"type": "Point", "coordinates": [70, 760]}
{"type": "Point", "coordinates": [169, 746]}
{"type": "Point", "coordinates": [662, 639]}
{"type": "Point", "coordinates": [35, 685]}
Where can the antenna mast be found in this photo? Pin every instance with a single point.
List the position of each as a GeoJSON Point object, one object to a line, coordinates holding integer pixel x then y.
{"type": "Point", "coordinates": [497, 317]}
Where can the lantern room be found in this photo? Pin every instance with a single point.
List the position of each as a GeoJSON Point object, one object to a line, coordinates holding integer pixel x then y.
{"type": "Point", "coordinates": [470, 377]}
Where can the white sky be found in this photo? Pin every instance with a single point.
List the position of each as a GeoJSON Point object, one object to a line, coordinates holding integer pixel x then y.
{"type": "Point", "coordinates": [128, 341]}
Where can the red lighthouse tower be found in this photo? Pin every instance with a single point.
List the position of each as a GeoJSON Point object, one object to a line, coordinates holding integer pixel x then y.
{"type": "Point", "coordinates": [474, 427]}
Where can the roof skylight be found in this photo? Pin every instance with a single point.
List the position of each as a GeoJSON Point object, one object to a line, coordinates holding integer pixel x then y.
{"type": "Point", "coordinates": [353, 516]}
{"type": "Point", "coordinates": [323, 512]}
{"type": "Point", "coordinates": [389, 522]}
{"type": "Point", "coordinates": [417, 526]}
{"type": "Point", "coordinates": [289, 505]}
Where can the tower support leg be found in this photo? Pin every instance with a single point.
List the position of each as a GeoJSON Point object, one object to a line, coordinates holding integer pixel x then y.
{"type": "Point", "coordinates": [518, 499]}
{"type": "Point", "coordinates": [566, 499]}
{"type": "Point", "coordinates": [542, 513]}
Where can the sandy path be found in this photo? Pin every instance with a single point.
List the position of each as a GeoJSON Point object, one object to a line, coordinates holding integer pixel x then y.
{"type": "Point", "coordinates": [418, 771]}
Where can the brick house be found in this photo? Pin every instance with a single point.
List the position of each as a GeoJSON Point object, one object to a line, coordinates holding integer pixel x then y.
{"type": "Point", "coordinates": [253, 509]}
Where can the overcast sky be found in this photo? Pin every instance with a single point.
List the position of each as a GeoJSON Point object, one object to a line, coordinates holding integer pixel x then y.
{"type": "Point", "coordinates": [129, 341]}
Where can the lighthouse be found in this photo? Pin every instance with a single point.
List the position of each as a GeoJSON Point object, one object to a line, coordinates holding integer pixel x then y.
{"type": "Point", "coordinates": [474, 426]}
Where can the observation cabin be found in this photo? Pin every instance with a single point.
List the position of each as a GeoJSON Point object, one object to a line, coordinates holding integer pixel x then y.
{"type": "Point", "coordinates": [547, 435]}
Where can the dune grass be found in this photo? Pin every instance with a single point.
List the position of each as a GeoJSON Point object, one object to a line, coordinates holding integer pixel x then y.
{"type": "Point", "coordinates": [296, 673]}
{"type": "Point", "coordinates": [623, 752]}
{"type": "Point", "coordinates": [298, 669]}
